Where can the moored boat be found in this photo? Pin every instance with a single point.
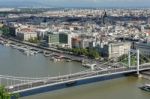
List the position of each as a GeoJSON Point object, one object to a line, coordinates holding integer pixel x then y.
{"type": "Point", "coordinates": [145, 87]}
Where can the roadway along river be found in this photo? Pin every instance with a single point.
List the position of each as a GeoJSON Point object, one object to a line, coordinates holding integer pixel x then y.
{"type": "Point", "coordinates": [14, 62]}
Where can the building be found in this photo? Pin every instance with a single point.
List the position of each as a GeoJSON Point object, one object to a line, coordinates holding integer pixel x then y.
{"type": "Point", "coordinates": [85, 43]}
{"type": "Point", "coordinates": [59, 39]}
{"type": "Point", "coordinates": [148, 20]}
{"type": "Point", "coordinates": [1, 32]}
{"type": "Point", "coordinates": [1, 25]}
{"type": "Point", "coordinates": [76, 42]}
{"type": "Point", "coordinates": [52, 38]}
{"type": "Point", "coordinates": [115, 50]}
{"type": "Point", "coordinates": [144, 48]}
{"type": "Point", "coordinates": [63, 38]}
{"type": "Point", "coordinates": [70, 36]}
{"type": "Point", "coordinates": [104, 16]}
{"type": "Point", "coordinates": [26, 34]}
{"type": "Point", "coordinates": [41, 32]}
{"type": "Point", "coordinates": [12, 31]}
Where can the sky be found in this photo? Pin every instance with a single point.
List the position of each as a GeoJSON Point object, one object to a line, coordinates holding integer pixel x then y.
{"type": "Point", "coordinates": [77, 3]}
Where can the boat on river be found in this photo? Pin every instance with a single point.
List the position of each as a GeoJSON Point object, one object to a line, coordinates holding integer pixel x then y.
{"type": "Point", "coordinates": [47, 54]}
{"type": "Point", "coordinates": [145, 87]}
{"type": "Point", "coordinates": [29, 53]}
{"type": "Point", "coordinates": [56, 59]}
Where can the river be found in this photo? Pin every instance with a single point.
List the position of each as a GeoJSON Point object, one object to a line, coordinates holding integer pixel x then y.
{"type": "Point", "coordinates": [14, 62]}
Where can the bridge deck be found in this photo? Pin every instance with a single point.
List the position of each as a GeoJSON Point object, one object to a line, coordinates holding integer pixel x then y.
{"type": "Point", "coordinates": [71, 78]}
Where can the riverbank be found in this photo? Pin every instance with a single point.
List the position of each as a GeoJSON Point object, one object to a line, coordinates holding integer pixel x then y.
{"type": "Point", "coordinates": [42, 49]}
{"type": "Point", "coordinates": [54, 54]}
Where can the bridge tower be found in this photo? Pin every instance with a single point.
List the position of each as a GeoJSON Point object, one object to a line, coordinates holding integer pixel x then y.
{"type": "Point", "coordinates": [137, 52]}
{"type": "Point", "coordinates": [138, 61]}
{"type": "Point", "coordinates": [129, 58]}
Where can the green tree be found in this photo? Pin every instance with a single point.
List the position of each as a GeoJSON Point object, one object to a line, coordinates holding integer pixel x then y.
{"type": "Point", "coordinates": [94, 54]}
{"type": "Point", "coordinates": [5, 30]}
{"type": "Point", "coordinates": [33, 40]}
{"type": "Point", "coordinates": [84, 52]}
{"type": "Point", "coordinates": [4, 94]}
{"type": "Point", "coordinates": [124, 59]}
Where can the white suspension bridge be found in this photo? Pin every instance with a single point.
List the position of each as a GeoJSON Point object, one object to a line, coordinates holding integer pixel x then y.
{"type": "Point", "coordinates": [28, 85]}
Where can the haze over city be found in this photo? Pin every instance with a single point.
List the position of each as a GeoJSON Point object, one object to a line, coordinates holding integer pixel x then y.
{"type": "Point", "coordinates": [74, 3]}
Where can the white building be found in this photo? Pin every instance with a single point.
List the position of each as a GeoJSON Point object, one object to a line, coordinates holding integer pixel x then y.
{"type": "Point", "coordinates": [115, 50]}
{"type": "Point", "coordinates": [26, 34]}
{"type": "Point", "coordinates": [41, 32]}
{"type": "Point", "coordinates": [85, 43]}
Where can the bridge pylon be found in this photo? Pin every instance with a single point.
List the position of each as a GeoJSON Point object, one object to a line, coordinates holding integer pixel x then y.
{"type": "Point", "coordinates": [137, 52]}
{"type": "Point", "coordinates": [129, 58]}
{"type": "Point", "coordinates": [138, 61]}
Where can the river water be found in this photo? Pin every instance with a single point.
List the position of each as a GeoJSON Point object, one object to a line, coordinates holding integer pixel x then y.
{"type": "Point", "coordinates": [14, 62]}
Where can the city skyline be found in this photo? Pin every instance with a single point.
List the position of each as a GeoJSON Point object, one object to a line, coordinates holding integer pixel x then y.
{"type": "Point", "coordinates": [100, 48]}
{"type": "Point", "coordinates": [75, 3]}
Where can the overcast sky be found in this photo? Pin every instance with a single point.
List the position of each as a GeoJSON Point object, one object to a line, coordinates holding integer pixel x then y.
{"type": "Point", "coordinates": [80, 3]}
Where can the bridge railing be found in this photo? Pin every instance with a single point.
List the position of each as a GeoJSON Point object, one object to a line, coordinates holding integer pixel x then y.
{"type": "Point", "coordinates": [66, 78]}
{"type": "Point", "coordinates": [70, 77]}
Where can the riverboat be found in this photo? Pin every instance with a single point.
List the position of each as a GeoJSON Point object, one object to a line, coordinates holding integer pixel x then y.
{"type": "Point", "coordinates": [145, 87]}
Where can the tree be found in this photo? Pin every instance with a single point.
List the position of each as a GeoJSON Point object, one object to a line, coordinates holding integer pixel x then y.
{"type": "Point", "coordinates": [4, 94]}
{"type": "Point", "coordinates": [124, 59]}
{"type": "Point", "coordinates": [5, 30]}
{"type": "Point", "coordinates": [94, 54]}
{"type": "Point", "coordinates": [33, 40]}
